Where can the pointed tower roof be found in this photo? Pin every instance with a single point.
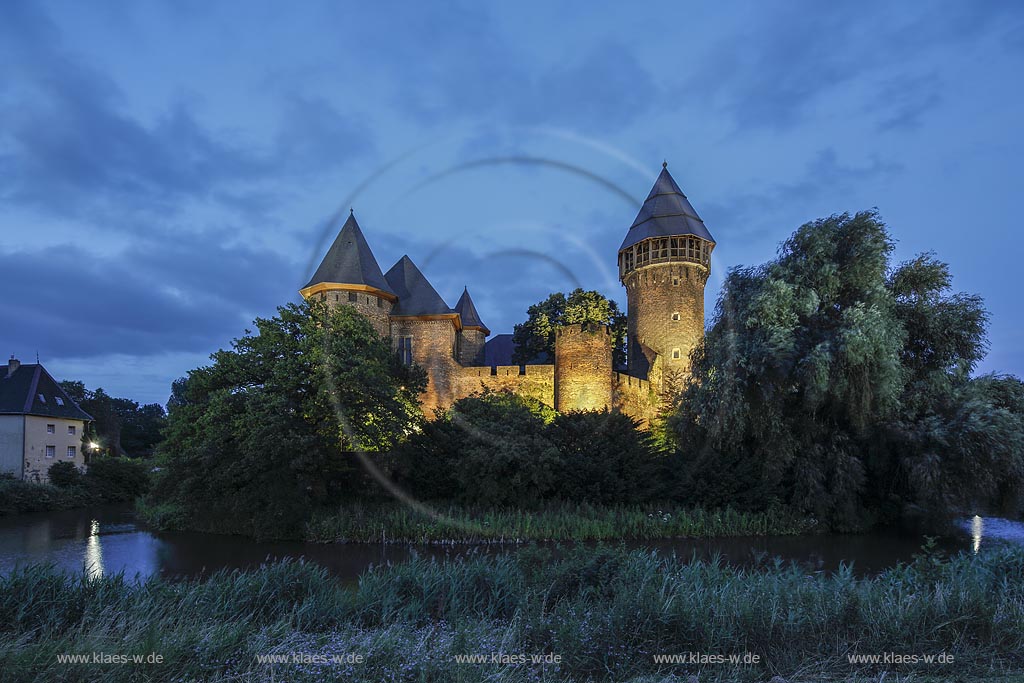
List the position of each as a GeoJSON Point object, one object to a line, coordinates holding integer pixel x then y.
{"type": "Point", "coordinates": [416, 296]}
{"type": "Point", "coordinates": [467, 311]}
{"type": "Point", "coordinates": [666, 212]}
{"type": "Point", "coordinates": [349, 261]}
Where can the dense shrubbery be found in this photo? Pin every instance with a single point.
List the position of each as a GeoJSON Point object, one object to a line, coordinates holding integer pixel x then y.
{"type": "Point", "coordinates": [834, 384]}
{"type": "Point", "coordinates": [108, 480]}
{"type": "Point", "coordinates": [256, 441]}
{"type": "Point", "coordinates": [606, 612]}
{"type": "Point", "coordinates": [504, 450]}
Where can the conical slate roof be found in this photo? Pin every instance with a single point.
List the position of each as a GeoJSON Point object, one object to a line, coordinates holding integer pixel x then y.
{"type": "Point", "coordinates": [349, 261]}
{"type": "Point", "coordinates": [666, 212]}
{"type": "Point", "coordinates": [416, 296]}
{"type": "Point", "coordinates": [467, 311]}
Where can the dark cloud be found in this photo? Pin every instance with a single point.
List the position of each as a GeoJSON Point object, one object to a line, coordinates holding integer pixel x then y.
{"type": "Point", "coordinates": [754, 213]}
{"type": "Point", "coordinates": [70, 146]}
{"type": "Point", "coordinates": [193, 293]}
{"type": "Point", "coordinates": [771, 74]}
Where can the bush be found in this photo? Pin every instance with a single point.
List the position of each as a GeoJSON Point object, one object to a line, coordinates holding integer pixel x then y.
{"type": "Point", "coordinates": [116, 480]}
{"type": "Point", "coordinates": [64, 475]}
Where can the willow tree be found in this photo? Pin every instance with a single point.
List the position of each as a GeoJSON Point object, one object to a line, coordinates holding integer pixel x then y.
{"type": "Point", "coordinates": [829, 381]}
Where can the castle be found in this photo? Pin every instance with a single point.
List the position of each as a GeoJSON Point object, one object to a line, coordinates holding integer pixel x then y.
{"type": "Point", "coordinates": [664, 262]}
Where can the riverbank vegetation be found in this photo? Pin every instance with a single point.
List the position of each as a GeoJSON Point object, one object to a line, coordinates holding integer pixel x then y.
{"type": "Point", "coordinates": [107, 480]}
{"type": "Point", "coordinates": [606, 613]}
{"type": "Point", "coordinates": [833, 386]}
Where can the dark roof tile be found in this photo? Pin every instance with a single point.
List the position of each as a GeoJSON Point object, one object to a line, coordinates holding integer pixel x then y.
{"type": "Point", "coordinates": [467, 312]}
{"type": "Point", "coordinates": [666, 212]}
{"type": "Point", "coordinates": [349, 261]}
{"type": "Point", "coordinates": [415, 294]}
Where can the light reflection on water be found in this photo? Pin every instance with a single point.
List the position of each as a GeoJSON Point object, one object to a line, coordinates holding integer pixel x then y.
{"type": "Point", "coordinates": [94, 551]}
{"type": "Point", "coordinates": [108, 540]}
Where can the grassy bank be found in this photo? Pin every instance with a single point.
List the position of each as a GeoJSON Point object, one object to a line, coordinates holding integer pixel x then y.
{"type": "Point", "coordinates": [607, 613]}
{"type": "Point", "coordinates": [395, 523]}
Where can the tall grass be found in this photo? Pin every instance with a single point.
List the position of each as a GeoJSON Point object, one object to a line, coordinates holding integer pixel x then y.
{"type": "Point", "coordinates": [605, 611]}
{"type": "Point", "coordinates": [567, 522]}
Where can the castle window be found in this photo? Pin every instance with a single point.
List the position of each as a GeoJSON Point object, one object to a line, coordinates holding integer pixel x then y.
{"type": "Point", "coordinates": [335, 297]}
{"type": "Point", "coordinates": [405, 349]}
{"type": "Point", "coordinates": [676, 354]}
{"type": "Point", "coordinates": [675, 316]}
{"type": "Point", "coordinates": [352, 297]}
{"type": "Point", "coordinates": [380, 302]}
{"type": "Point", "coordinates": [675, 281]}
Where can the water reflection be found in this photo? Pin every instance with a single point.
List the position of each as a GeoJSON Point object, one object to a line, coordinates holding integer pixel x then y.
{"type": "Point", "coordinates": [93, 552]}
{"type": "Point", "coordinates": [107, 540]}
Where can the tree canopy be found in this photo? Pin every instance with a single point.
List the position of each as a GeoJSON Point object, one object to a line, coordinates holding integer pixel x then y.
{"type": "Point", "coordinates": [121, 426]}
{"type": "Point", "coordinates": [536, 337]}
{"type": "Point", "coordinates": [835, 383]}
{"type": "Point", "coordinates": [259, 435]}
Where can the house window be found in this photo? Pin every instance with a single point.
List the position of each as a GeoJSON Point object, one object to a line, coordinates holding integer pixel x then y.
{"type": "Point", "coordinates": [71, 451]}
{"type": "Point", "coordinates": [71, 430]}
{"type": "Point", "coordinates": [675, 316]}
{"type": "Point", "coordinates": [352, 296]}
{"type": "Point", "coordinates": [676, 355]}
{"type": "Point", "coordinates": [51, 429]}
{"type": "Point", "coordinates": [59, 400]}
{"type": "Point", "coordinates": [405, 349]}
{"type": "Point", "coordinates": [51, 451]}
{"type": "Point", "coordinates": [42, 399]}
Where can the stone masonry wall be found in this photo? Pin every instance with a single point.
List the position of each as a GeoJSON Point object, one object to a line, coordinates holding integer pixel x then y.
{"type": "Point", "coordinates": [654, 294]}
{"type": "Point", "coordinates": [583, 368]}
{"type": "Point", "coordinates": [433, 348]}
{"type": "Point", "coordinates": [377, 309]}
{"type": "Point", "coordinates": [534, 381]}
{"type": "Point", "coordinates": [471, 347]}
{"type": "Point", "coordinates": [637, 398]}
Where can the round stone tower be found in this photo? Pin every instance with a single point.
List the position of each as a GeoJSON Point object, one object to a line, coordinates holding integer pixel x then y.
{"type": "Point", "coordinates": [583, 367]}
{"type": "Point", "coordinates": [664, 263]}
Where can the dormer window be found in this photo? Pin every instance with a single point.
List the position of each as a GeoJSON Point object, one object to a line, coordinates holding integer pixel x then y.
{"type": "Point", "coordinates": [42, 399]}
{"type": "Point", "coordinates": [59, 400]}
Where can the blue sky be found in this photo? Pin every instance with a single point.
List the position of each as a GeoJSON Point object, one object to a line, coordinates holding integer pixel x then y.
{"type": "Point", "coordinates": [168, 171]}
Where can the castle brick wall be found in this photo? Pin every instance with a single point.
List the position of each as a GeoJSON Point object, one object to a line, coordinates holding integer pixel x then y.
{"type": "Point", "coordinates": [583, 368]}
{"type": "Point", "coordinates": [433, 348]}
{"type": "Point", "coordinates": [654, 294]}
{"type": "Point", "coordinates": [471, 347]}
{"type": "Point", "coordinates": [534, 381]}
{"type": "Point", "coordinates": [377, 309]}
{"type": "Point", "coordinates": [636, 397]}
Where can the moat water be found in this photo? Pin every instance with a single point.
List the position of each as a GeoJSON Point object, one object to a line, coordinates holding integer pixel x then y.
{"type": "Point", "coordinates": [109, 539]}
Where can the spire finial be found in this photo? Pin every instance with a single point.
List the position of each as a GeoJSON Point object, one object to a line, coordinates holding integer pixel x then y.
{"type": "Point", "coordinates": [664, 164]}
{"type": "Point", "coordinates": [351, 211]}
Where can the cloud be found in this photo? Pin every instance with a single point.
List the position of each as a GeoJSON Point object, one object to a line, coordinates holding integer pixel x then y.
{"type": "Point", "coordinates": [71, 146]}
{"type": "Point", "coordinates": [188, 294]}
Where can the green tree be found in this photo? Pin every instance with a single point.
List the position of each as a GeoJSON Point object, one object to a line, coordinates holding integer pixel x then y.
{"type": "Point", "coordinates": [120, 425]}
{"type": "Point", "coordinates": [832, 384]}
{"type": "Point", "coordinates": [258, 438]}
{"type": "Point", "coordinates": [536, 336]}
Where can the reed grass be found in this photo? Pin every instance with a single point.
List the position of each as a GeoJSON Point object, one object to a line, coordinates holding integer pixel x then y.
{"type": "Point", "coordinates": [566, 522]}
{"type": "Point", "coordinates": [605, 611]}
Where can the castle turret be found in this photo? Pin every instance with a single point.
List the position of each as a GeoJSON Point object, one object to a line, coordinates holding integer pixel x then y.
{"type": "Point", "coordinates": [349, 275]}
{"type": "Point", "coordinates": [583, 367]}
{"type": "Point", "coordinates": [474, 333]}
{"type": "Point", "coordinates": [424, 331]}
{"type": "Point", "coordinates": [664, 263]}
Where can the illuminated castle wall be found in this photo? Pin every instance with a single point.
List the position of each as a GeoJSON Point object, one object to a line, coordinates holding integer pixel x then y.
{"type": "Point", "coordinates": [664, 262]}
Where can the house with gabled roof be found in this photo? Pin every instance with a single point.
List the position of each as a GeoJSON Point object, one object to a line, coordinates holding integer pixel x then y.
{"type": "Point", "coordinates": [39, 423]}
{"type": "Point", "coordinates": [664, 262]}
